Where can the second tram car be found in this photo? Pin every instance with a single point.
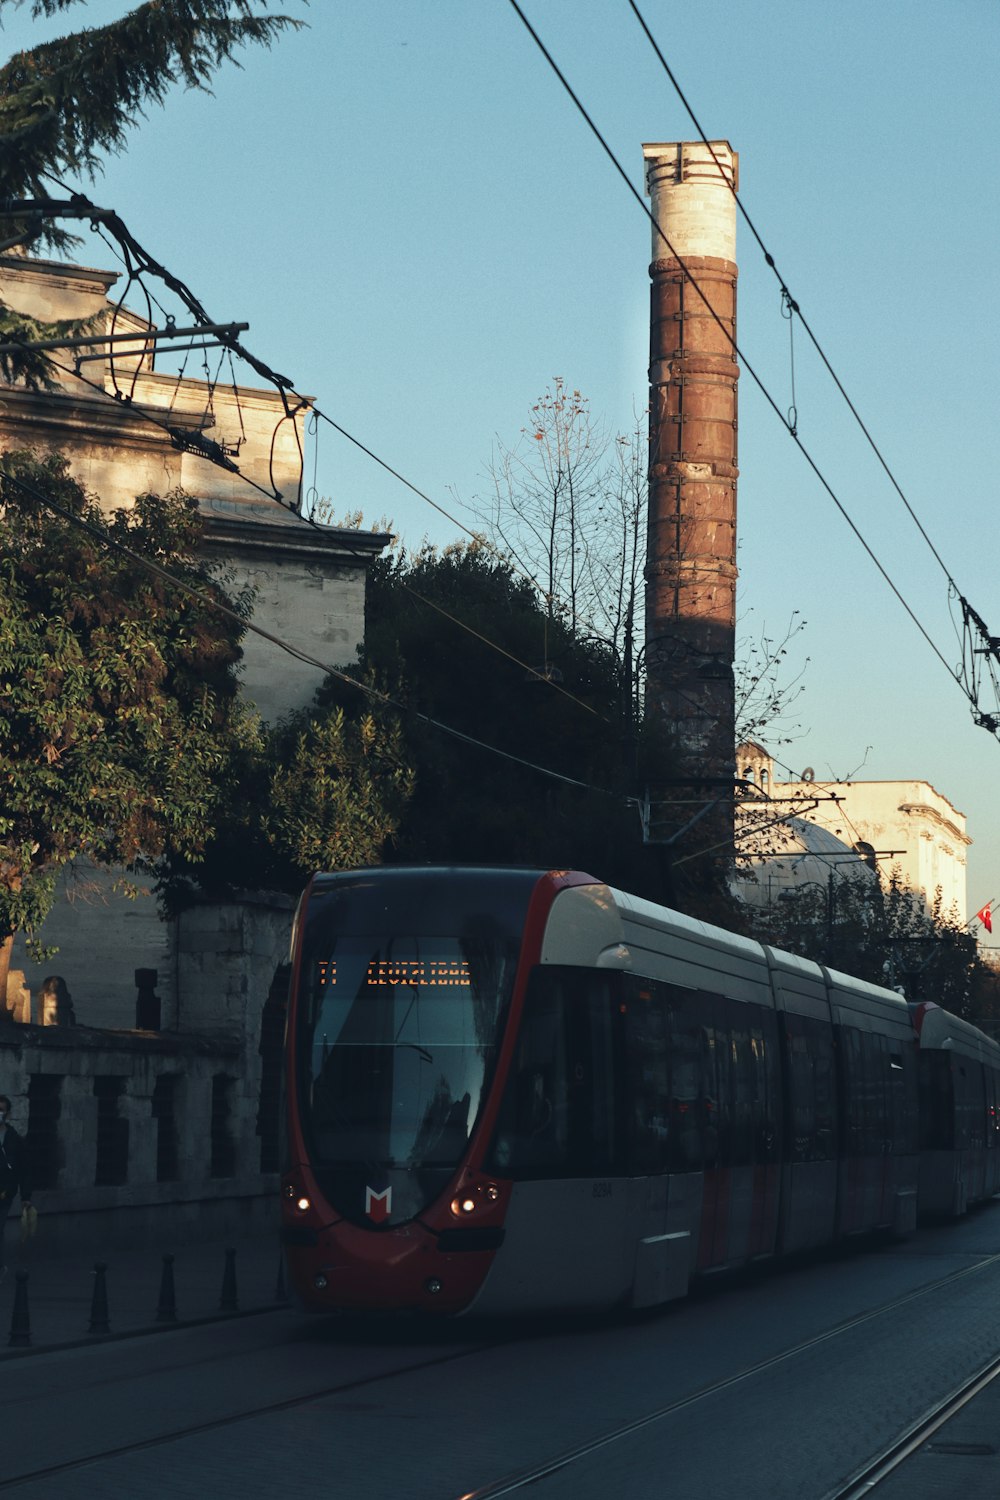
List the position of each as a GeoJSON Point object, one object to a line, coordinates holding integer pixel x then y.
{"type": "Point", "coordinates": [512, 1089]}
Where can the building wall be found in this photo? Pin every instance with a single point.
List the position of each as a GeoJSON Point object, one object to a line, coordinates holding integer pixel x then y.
{"type": "Point", "coordinates": [910, 826]}
{"type": "Point", "coordinates": [308, 582]}
{"type": "Point", "coordinates": [232, 963]}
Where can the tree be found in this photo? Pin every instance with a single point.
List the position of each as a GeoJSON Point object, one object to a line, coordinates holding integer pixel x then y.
{"type": "Point", "coordinates": [567, 508]}
{"type": "Point", "coordinates": [323, 790]}
{"type": "Point", "coordinates": [118, 691]}
{"type": "Point", "coordinates": [461, 638]}
{"type": "Point", "coordinates": [66, 104]}
{"type": "Point", "coordinates": [885, 934]}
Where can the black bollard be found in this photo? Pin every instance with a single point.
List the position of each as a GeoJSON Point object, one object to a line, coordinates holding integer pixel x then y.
{"type": "Point", "coordinates": [99, 1321]}
{"type": "Point", "coordinates": [166, 1308]}
{"type": "Point", "coordinates": [20, 1321]}
{"type": "Point", "coordinates": [228, 1302]}
{"type": "Point", "coordinates": [280, 1294]}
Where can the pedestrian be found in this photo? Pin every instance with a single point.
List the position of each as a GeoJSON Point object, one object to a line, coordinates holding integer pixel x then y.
{"type": "Point", "coordinates": [14, 1176]}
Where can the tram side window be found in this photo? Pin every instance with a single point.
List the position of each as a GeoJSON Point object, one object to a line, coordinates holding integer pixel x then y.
{"type": "Point", "coordinates": [876, 1093]}
{"type": "Point", "coordinates": [557, 1118]}
{"type": "Point", "coordinates": [991, 1107]}
{"type": "Point", "coordinates": [977, 1098]}
{"type": "Point", "coordinates": [766, 1095]}
{"type": "Point", "coordinates": [686, 1142]}
{"type": "Point", "coordinates": [710, 1098]}
{"type": "Point", "coordinates": [901, 1084]}
{"type": "Point", "coordinates": [855, 1113]}
{"type": "Point", "coordinates": [742, 1136]}
{"type": "Point", "coordinates": [963, 1104]}
{"type": "Point", "coordinates": [937, 1113]}
{"type": "Point", "coordinates": [647, 1076]}
{"type": "Point", "coordinates": [809, 1053]}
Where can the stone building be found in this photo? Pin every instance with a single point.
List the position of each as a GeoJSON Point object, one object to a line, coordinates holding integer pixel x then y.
{"type": "Point", "coordinates": [98, 1097]}
{"type": "Point", "coordinates": [885, 826]}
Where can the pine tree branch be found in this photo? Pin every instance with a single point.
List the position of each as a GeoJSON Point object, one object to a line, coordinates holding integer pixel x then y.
{"type": "Point", "coordinates": [67, 103]}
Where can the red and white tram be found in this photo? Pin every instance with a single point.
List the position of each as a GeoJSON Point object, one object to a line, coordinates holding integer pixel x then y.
{"type": "Point", "coordinates": [959, 1120]}
{"type": "Point", "coordinates": [510, 1089]}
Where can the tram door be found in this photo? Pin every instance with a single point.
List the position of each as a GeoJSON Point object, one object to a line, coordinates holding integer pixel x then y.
{"type": "Point", "coordinates": [560, 1138]}
{"type": "Point", "coordinates": [739, 1114]}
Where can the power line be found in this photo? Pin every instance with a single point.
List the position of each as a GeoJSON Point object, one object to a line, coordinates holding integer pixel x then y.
{"type": "Point", "coordinates": [196, 443]}
{"type": "Point", "coordinates": [793, 306]}
{"type": "Point", "coordinates": [366, 689]}
{"type": "Point", "coordinates": [789, 428]}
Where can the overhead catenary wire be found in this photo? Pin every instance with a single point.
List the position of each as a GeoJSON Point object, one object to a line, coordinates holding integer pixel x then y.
{"type": "Point", "coordinates": [737, 350]}
{"type": "Point", "coordinates": [133, 254]}
{"type": "Point", "coordinates": [794, 307]}
{"type": "Point", "coordinates": [195, 443]}
{"type": "Point", "coordinates": [148, 413]}
{"type": "Point", "coordinates": [275, 495]}
{"type": "Point", "coordinates": [375, 694]}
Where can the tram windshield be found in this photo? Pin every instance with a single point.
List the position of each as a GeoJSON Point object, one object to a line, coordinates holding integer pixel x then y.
{"type": "Point", "coordinates": [405, 981]}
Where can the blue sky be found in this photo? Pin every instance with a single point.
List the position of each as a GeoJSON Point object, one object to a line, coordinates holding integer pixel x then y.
{"type": "Point", "coordinates": [422, 233]}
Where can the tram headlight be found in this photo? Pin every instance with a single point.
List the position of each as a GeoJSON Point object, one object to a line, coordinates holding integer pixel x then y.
{"type": "Point", "coordinates": [475, 1199]}
{"type": "Point", "coordinates": [303, 1204]}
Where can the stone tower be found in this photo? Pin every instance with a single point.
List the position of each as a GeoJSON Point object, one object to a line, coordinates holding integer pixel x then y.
{"type": "Point", "coordinates": [691, 553]}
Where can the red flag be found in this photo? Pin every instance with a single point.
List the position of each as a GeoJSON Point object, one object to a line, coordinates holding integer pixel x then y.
{"type": "Point", "coordinates": [985, 917]}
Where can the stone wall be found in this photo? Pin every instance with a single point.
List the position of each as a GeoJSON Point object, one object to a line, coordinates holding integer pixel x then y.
{"type": "Point", "coordinates": [140, 1136]}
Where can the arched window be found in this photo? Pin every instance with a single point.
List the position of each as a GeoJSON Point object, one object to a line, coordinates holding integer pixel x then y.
{"type": "Point", "coordinates": [867, 854]}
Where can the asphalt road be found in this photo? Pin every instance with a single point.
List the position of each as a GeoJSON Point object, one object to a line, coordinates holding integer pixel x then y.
{"type": "Point", "coordinates": [776, 1388]}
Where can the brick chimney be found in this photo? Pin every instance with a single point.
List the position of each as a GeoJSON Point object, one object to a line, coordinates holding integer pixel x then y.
{"type": "Point", "coordinates": [691, 552]}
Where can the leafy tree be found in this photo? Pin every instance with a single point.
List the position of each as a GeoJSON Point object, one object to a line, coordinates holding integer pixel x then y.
{"type": "Point", "coordinates": [123, 737]}
{"type": "Point", "coordinates": [568, 507]}
{"type": "Point", "coordinates": [885, 934]}
{"type": "Point", "coordinates": [66, 104]}
{"type": "Point", "coordinates": [118, 691]}
{"type": "Point", "coordinates": [512, 678]}
{"type": "Point", "coordinates": [323, 790]}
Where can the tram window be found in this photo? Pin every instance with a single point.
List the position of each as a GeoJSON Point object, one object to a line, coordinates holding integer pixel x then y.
{"type": "Point", "coordinates": [766, 1097]}
{"type": "Point", "coordinates": [825, 1141]}
{"type": "Point", "coordinates": [724, 1097]}
{"type": "Point", "coordinates": [647, 1077]}
{"type": "Point", "coordinates": [978, 1103]}
{"type": "Point", "coordinates": [991, 1108]}
{"type": "Point", "coordinates": [811, 1103]}
{"type": "Point", "coordinates": [557, 1118]}
{"type": "Point", "coordinates": [876, 1090]}
{"type": "Point", "coordinates": [901, 1085]}
{"type": "Point", "coordinates": [854, 1091]}
{"type": "Point", "coordinates": [742, 1136]}
{"type": "Point", "coordinates": [709, 1097]}
{"type": "Point", "coordinates": [960, 1085]}
{"type": "Point", "coordinates": [535, 1124]}
{"type": "Point", "coordinates": [685, 1152]}
{"type": "Point", "coordinates": [937, 1109]}
{"type": "Point", "coordinates": [803, 1098]}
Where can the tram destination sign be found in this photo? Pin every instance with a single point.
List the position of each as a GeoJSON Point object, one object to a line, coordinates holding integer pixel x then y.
{"type": "Point", "coordinates": [418, 973]}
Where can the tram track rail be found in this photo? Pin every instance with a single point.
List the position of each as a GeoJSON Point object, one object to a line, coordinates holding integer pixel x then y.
{"type": "Point", "coordinates": [232, 1419]}
{"type": "Point", "coordinates": [866, 1481]}
{"type": "Point", "coordinates": [521, 1480]}
{"type": "Point", "coordinates": [860, 1484]}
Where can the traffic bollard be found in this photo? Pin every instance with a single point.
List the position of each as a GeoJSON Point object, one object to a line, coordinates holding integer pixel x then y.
{"type": "Point", "coordinates": [99, 1321]}
{"type": "Point", "coordinates": [20, 1321]}
{"type": "Point", "coordinates": [280, 1294]}
{"type": "Point", "coordinates": [228, 1301]}
{"type": "Point", "coordinates": [166, 1308]}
